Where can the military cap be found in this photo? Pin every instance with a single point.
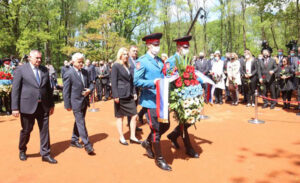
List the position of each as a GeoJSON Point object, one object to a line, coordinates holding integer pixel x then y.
{"type": "Point", "coordinates": [152, 38]}
{"type": "Point", "coordinates": [183, 41]}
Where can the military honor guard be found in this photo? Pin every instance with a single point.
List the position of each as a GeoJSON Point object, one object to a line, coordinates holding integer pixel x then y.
{"type": "Point", "coordinates": [182, 129]}
{"type": "Point", "coordinates": [149, 70]}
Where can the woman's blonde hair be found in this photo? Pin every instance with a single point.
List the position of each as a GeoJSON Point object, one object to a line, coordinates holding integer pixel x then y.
{"type": "Point", "coordinates": [119, 57]}
{"type": "Point", "coordinates": [235, 56]}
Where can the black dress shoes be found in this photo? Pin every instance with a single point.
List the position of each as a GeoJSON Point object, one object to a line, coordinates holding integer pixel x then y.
{"type": "Point", "coordinates": [148, 147]}
{"type": "Point", "coordinates": [123, 143]}
{"type": "Point", "coordinates": [135, 142]}
{"type": "Point", "coordinates": [76, 144]}
{"type": "Point", "coordinates": [22, 156]}
{"type": "Point", "coordinates": [161, 163]}
{"type": "Point", "coordinates": [191, 152]}
{"type": "Point", "coordinates": [49, 159]}
{"type": "Point", "coordinates": [89, 149]}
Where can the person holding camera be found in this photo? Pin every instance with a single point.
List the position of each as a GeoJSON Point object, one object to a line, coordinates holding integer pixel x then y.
{"type": "Point", "coordinates": [266, 69]}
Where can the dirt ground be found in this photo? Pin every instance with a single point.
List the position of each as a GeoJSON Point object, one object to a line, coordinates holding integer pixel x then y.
{"type": "Point", "coordinates": [231, 150]}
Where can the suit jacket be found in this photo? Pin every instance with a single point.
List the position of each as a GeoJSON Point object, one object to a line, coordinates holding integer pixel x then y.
{"type": "Point", "coordinates": [202, 67]}
{"type": "Point", "coordinates": [73, 87]}
{"type": "Point", "coordinates": [254, 70]}
{"type": "Point", "coordinates": [103, 70]}
{"type": "Point", "coordinates": [64, 70]}
{"type": "Point", "coordinates": [26, 92]}
{"type": "Point", "coordinates": [92, 72]}
{"type": "Point", "coordinates": [121, 82]}
{"type": "Point", "coordinates": [263, 70]}
{"type": "Point", "coordinates": [132, 65]}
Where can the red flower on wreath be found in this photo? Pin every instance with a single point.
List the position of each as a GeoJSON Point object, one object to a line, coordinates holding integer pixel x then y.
{"type": "Point", "coordinates": [195, 76]}
{"type": "Point", "coordinates": [193, 82]}
{"type": "Point", "coordinates": [197, 82]}
{"type": "Point", "coordinates": [186, 75]}
{"type": "Point", "coordinates": [263, 76]}
{"type": "Point", "coordinates": [187, 69]}
{"type": "Point", "coordinates": [178, 82]}
{"type": "Point", "coordinates": [187, 82]}
{"type": "Point", "coordinates": [192, 69]}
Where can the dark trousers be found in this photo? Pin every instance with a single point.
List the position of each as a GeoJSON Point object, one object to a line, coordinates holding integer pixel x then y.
{"type": "Point", "coordinates": [218, 95]}
{"type": "Point", "coordinates": [298, 90]}
{"type": "Point", "coordinates": [287, 95]}
{"type": "Point", "coordinates": [27, 123]}
{"type": "Point", "coordinates": [7, 103]}
{"type": "Point", "coordinates": [104, 89]}
{"type": "Point", "coordinates": [182, 130]}
{"type": "Point", "coordinates": [269, 87]}
{"type": "Point", "coordinates": [79, 129]}
{"type": "Point", "coordinates": [250, 92]}
{"type": "Point", "coordinates": [157, 128]}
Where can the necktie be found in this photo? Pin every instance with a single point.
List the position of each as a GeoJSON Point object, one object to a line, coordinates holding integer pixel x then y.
{"type": "Point", "coordinates": [37, 76]}
{"type": "Point", "coordinates": [80, 75]}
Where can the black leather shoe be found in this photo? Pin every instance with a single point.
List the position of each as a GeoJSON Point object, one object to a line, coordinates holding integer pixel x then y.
{"type": "Point", "coordinates": [138, 129]}
{"type": "Point", "coordinates": [265, 106]}
{"type": "Point", "coordinates": [90, 150]}
{"type": "Point", "coordinates": [135, 142]}
{"type": "Point", "coordinates": [173, 141]}
{"type": "Point", "coordinates": [191, 152]}
{"type": "Point", "coordinates": [123, 143]}
{"type": "Point", "coordinates": [22, 156]}
{"type": "Point", "coordinates": [148, 148]}
{"type": "Point", "coordinates": [49, 159]}
{"type": "Point", "coordinates": [76, 144]}
{"type": "Point", "coordinates": [161, 163]}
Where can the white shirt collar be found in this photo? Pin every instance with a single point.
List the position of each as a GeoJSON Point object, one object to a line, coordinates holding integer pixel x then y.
{"type": "Point", "coordinates": [32, 66]}
{"type": "Point", "coordinates": [76, 69]}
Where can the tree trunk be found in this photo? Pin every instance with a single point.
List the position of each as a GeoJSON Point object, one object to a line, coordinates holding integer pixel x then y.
{"type": "Point", "coordinates": [244, 22]}
{"type": "Point", "coordinates": [298, 20]}
{"type": "Point", "coordinates": [274, 37]}
{"type": "Point", "coordinates": [204, 29]}
{"type": "Point", "coordinates": [221, 25]}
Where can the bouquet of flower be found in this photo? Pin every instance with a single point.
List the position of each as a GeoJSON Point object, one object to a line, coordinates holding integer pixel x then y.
{"type": "Point", "coordinates": [5, 83]}
{"type": "Point", "coordinates": [186, 99]}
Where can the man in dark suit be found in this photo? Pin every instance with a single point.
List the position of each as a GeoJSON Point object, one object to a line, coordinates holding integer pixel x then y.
{"type": "Point", "coordinates": [296, 68]}
{"type": "Point", "coordinates": [201, 65]}
{"type": "Point", "coordinates": [64, 68]}
{"type": "Point", "coordinates": [91, 70]}
{"type": "Point", "coordinates": [77, 87]}
{"type": "Point", "coordinates": [103, 76]}
{"type": "Point", "coordinates": [133, 55]}
{"type": "Point", "coordinates": [32, 98]}
{"type": "Point", "coordinates": [266, 69]}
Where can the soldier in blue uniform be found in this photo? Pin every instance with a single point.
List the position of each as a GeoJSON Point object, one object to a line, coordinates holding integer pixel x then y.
{"type": "Point", "coordinates": [182, 129]}
{"type": "Point", "coordinates": [149, 70]}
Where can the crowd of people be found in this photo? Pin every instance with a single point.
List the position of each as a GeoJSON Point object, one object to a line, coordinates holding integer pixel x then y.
{"type": "Point", "coordinates": [131, 80]}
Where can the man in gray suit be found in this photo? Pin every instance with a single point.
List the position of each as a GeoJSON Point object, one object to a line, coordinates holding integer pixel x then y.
{"type": "Point", "coordinates": [77, 87]}
{"type": "Point", "coordinates": [32, 98]}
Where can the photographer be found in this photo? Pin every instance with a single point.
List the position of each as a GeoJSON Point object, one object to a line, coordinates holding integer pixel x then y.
{"type": "Point", "coordinates": [265, 46]}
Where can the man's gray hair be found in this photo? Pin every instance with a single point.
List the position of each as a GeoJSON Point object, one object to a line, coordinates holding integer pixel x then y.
{"type": "Point", "coordinates": [77, 56]}
{"type": "Point", "coordinates": [34, 51]}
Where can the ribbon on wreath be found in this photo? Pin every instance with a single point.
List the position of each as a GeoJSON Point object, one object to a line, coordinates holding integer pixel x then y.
{"type": "Point", "coordinates": [210, 85]}
{"type": "Point", "coordinates": [162, 98]}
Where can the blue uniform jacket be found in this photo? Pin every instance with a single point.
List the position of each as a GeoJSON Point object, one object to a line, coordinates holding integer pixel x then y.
{"type": "Point", "coordinates": [172, 60]}
{"type": "Point", "coordinates": [146, 71]}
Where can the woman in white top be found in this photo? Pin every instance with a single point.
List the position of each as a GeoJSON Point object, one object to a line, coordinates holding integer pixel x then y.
{"type": "Point", "coordinates": [217, 73]}
{"type": "Point", "coordinates": [234, 78]}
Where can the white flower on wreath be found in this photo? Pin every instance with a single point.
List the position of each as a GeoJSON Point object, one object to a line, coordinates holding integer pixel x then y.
{"type": "Point", "coordinates": [191, 120]}
{"type": "Point", "coordinates": [194, 112]}
{"type": "Point", "coordinates": [200, 108]}
{"type": "Point", "coordinates": [187, 112]}
{"type": "Point", "coordinates": [186, 104]}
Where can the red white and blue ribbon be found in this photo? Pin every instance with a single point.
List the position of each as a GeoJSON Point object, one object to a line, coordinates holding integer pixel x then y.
{"type": "Point", "coordinates": [162, 98]}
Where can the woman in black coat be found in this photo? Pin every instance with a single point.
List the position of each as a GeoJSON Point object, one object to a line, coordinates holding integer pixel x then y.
{"type": "Point", "coordinates": [249, 77]}
{"type": "Point", "coordinates": [285, 81]}
{"type": "Point", "coordinates": [124, 95]}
